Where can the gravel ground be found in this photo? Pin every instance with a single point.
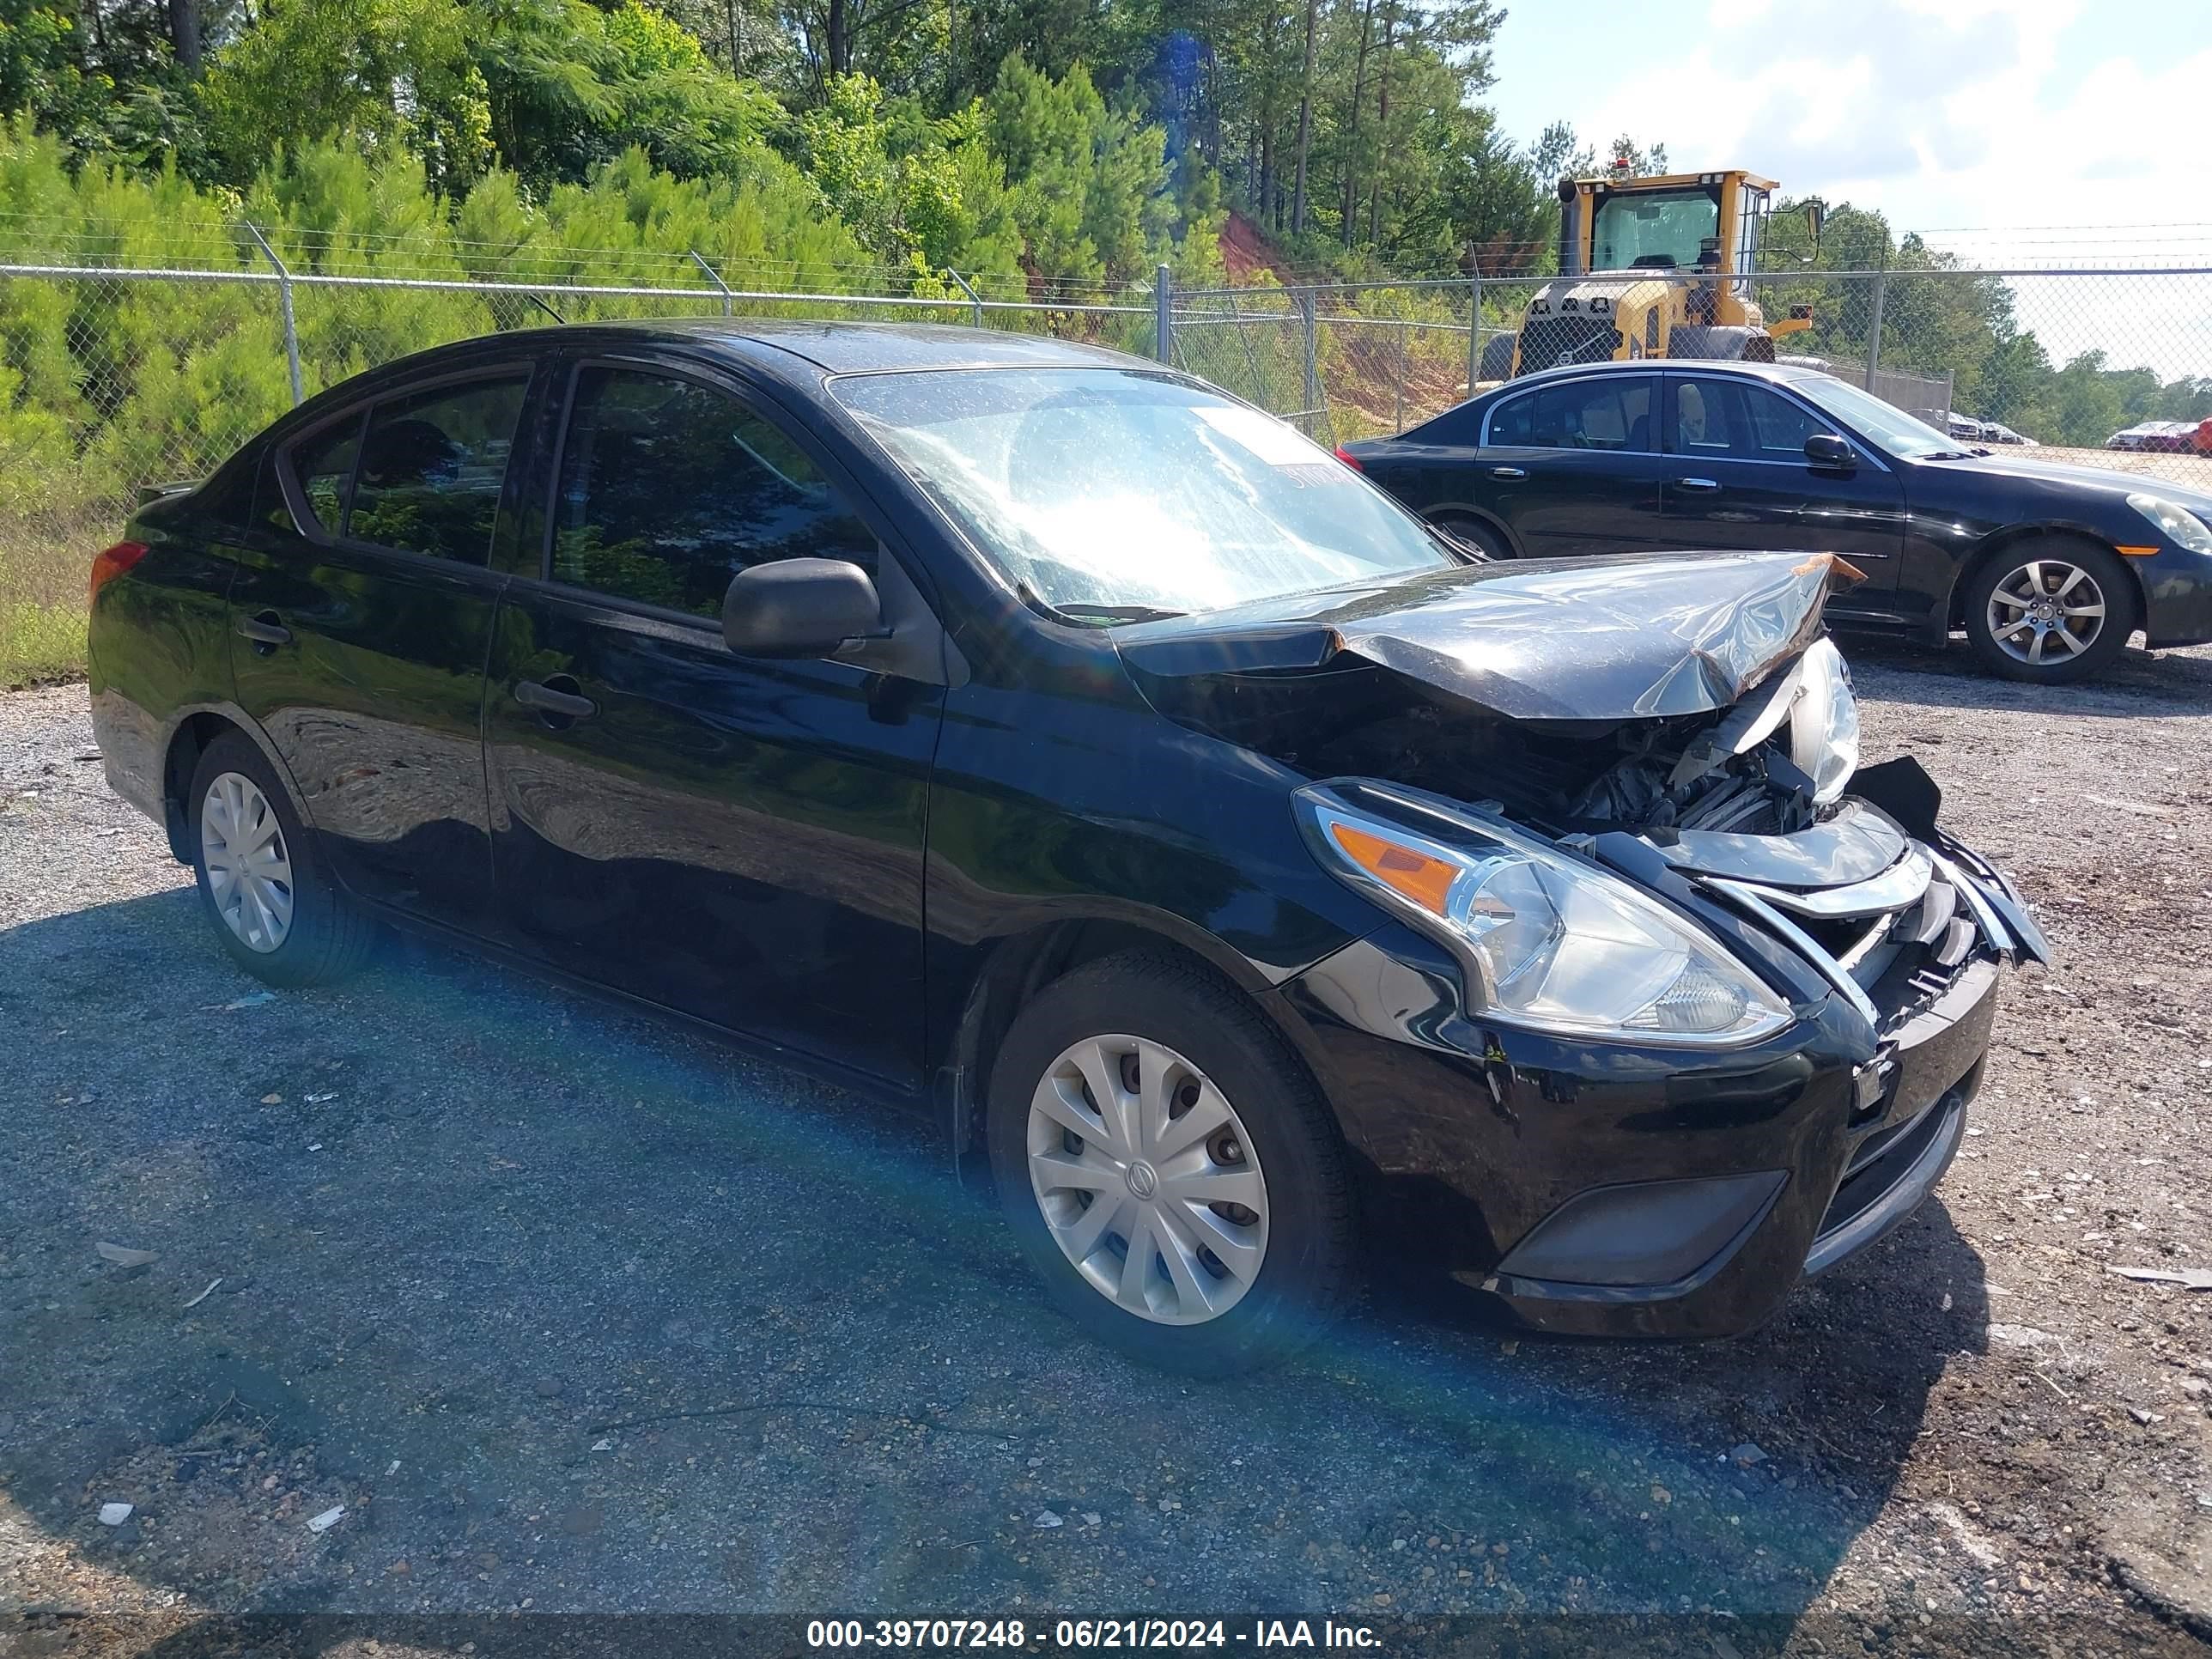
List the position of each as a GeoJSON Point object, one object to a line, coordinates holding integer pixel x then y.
{"type": "Point", "coordinates": [569, 1310]}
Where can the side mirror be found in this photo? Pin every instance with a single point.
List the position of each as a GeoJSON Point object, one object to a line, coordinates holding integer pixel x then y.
{"type": "Point", "coordinates": [1826, 449]}
{"type": "Point", "coordinates": [796, 608]}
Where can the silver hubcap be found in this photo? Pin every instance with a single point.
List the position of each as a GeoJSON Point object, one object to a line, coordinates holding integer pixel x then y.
{"type": "Point", "coordinates": [2047, 611]}
{"type": "Point", "coordinates": [1147, 1180]}
{"type": "Point", "coordinates": [249, 871]}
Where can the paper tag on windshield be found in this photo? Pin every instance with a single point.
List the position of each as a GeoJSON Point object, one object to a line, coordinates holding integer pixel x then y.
{"type": "Point", "coordinates": [1269, 439]}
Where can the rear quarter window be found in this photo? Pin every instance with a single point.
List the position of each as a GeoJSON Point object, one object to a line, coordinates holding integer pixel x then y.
{"type": "Point", "coordinates": [1462, 425]}
{"type": "Point", "coordinates": [225, 499]}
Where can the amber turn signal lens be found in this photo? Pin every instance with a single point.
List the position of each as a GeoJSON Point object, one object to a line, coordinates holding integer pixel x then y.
{"type": "Point", "coordinates": [1415, 875]}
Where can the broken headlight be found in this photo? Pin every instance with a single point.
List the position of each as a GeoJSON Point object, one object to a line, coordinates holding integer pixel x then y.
{"type": "Point", "coordinates": [1545, 940]}
{"type": "Point", "coordinates": [1823, 720]}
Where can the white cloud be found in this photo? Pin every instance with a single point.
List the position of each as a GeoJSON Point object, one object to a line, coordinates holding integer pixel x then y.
{"type": "Point", "coordinates": [1970, 120]}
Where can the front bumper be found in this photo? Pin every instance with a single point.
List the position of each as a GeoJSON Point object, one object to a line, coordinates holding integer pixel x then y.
{"type": "Point", "coordinates": [2177, 596]}
{"type": "Point", "coordinates": [1604, 1189]}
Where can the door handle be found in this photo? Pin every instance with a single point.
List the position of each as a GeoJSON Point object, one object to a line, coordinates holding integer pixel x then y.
{"type": "Point", "coordinates": [1698, 486]}
{"type": "Point", "coordinates": [264, 630]}
{"type": "Point", "coordinates": [1508, 473]}
{"type": "Point", "coordinates": [551, 700]}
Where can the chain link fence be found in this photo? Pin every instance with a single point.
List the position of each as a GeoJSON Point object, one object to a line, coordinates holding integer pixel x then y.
{"type": "Point", "coordinates": [114, 377]}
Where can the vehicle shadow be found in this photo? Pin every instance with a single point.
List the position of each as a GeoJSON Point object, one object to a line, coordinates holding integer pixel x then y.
{"type": "Point", "coordinates": [1950, 675]}
{"type": "Point", "coordinates": [562, 1304]}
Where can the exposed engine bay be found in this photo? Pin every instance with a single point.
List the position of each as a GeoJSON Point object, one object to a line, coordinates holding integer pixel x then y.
{"type": "Point", "coordinates": [1773, 763]}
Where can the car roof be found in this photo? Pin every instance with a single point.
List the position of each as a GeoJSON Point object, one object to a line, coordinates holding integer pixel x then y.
{"type": "Point", "coordinates": [805, 349]}
{"type": "Point", "coordinates": [1782, 372]}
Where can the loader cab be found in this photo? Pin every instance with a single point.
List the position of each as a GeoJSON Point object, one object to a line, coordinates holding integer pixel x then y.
{"type": "Point", "coordinates": [1660, 266]}
{"type": "Point", "coordinates": [1668, 222]}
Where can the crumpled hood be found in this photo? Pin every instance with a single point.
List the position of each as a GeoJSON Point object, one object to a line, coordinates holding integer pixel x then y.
{"type": "Point", "coordinates": [1642, 636]}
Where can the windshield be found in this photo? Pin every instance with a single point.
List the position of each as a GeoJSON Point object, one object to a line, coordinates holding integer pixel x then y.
{"type": "Point", "coordinates": [1116, 489]}
{"type": "Point", "coordinates": [1654, 228]}
{"type": "Point", "coordinates": [1884, 424]}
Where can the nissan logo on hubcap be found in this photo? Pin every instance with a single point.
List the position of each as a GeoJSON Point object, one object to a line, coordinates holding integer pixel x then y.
{"type": "Point", "coordinates": [1144, 1179]}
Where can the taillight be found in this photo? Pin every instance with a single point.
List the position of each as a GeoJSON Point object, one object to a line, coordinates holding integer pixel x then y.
{"type": "Point", "coordinates": [112, 563]}
{"type": "Point", "coordinates": [1349, 459]}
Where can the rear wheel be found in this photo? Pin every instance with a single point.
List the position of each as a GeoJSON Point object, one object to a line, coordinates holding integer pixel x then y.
{"type": "Point", "coordinates": [2049, 610]}
{"type": "Point", "coordinates": [1169, 1168]}
{"type": "Point", "coordinates": [1496, 358]}
{"type": "Point", "coordinates": [273, 908]}
{"type": "Point", "coordinates": [1481, 537]}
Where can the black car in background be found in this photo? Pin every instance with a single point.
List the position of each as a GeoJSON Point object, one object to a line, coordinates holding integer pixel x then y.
{"type": "Point", "coordinates": [2047, 568]}
{"type": "Point", "coordinates": [1030, 736]}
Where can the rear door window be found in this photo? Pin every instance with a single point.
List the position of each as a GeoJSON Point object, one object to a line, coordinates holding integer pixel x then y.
{"type": "Point", "coordinates": [1613, 413]}
{"type": "Point", "coordinates": [322, 463]}
{"type": "Point", "coordinates": [432, 466]}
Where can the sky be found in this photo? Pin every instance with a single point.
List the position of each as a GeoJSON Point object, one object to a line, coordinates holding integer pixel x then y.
{"type": "Point", "coordinates": [1998, 122]}
{"type": "Point", "coordinates": [2034, 133]}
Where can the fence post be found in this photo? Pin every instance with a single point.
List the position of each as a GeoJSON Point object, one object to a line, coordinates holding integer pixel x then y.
{"type": "Point", "coordinates": [1404, 368]}
{"type": "Point", "coordinates": [284, 306]}
{"type": "Point", "coordinates": [975, 300]}
{"type": "Point", "coordinates": [1874, 332]}
{"type": "Point", "coordinates": [715, 278]}
{"type": "Point", "coordinates": [1163, 315]}
{"type": "Point", "coordinates": [1309, 325]}
{"type": "Point", "coordinates": [1473, 322]}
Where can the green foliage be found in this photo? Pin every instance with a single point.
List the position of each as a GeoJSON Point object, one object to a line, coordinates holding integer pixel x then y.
{"type": "Point", "coordinates": [1089, 183]}
{"type": "Point", "coordinates": [570, 87]}
{"type": "Point", "coordinates": [397, 75]}
{"type": "Point", "coordinates": [40, 642]}
{"type": "Point", "coordinates": [45, 73]}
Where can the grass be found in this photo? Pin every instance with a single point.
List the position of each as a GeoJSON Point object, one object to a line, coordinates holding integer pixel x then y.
{"type": "Point", "coordinates": [40, 643]}
{"type": "Point", "coordinates": [43, 567]}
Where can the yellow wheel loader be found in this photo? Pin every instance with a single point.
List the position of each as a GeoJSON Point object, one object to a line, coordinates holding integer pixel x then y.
{"type": "Point", "coordinates": [1651, 267]}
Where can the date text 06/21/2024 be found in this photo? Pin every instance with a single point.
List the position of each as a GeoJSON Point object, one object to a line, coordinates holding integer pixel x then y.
{"type": "Point", "coordinates": [1086, 1634]}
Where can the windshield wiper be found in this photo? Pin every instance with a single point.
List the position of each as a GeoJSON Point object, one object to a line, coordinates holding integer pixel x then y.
{"type": "Point", "coordinates": [1453, 545]}
{"type": "Point", "coordinates": [1112, 613]}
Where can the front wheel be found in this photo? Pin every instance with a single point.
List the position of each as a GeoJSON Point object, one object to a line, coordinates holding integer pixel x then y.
{"type": "Point", "coordinates": [2049, 610]}
{"type": "Point", "coordinates": [1169, 1168]}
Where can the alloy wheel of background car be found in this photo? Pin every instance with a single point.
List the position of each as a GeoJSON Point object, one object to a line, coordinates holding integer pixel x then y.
{"type": "Point", "coordinates": [2036, 591]}
{"type": "Point", "coordinates": [1146, 1179]}
{"type": "Point", "coordinates": [261, 877]}
{"type": "Point", "coordinates": [2046, 611]}
{"type": "Point", "coordinates": [249, 871]}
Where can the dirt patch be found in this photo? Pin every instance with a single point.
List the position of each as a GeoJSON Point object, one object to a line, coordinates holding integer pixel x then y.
{"type": "Point", "coordinates": [569, 1310]}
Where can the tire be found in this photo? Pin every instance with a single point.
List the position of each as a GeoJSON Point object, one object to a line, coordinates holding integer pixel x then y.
{"type": "Point", "coordinates": [2064, 572]}
{"type": "Point", "coordinates": [1497, 359]}
{"type": "Point", "coordinates": [1483, 538]}
{"type": "Point", "coordinates": [1230, 1079]}
{"type": "Point", "coordinates": [324, 936]}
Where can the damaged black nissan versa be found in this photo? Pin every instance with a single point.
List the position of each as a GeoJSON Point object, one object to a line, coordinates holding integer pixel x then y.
{"type": "Point", "coordinates": [1038, 737]}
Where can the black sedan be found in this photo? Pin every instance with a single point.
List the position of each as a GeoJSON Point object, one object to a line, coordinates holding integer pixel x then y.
{"type": "Point", "coordinates": [1034, 737]}
{"type": "Point", "coordinates": [2047, 568]}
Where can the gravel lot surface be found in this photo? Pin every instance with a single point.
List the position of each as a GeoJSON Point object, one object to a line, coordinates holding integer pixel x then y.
{"type": "Point", "coordinates": [570, 1310]}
